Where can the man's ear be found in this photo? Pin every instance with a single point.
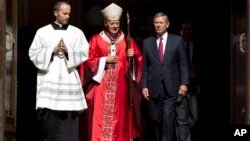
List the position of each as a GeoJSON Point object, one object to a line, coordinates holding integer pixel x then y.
{"type": "Point", "coordinates": [168, 24]}
{"type": "Point", "coordinates": [105, 23]}
{"type": "Point", "coordinates": [56, 13]}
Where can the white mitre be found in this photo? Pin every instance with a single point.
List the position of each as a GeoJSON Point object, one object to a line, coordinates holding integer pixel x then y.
{"type": "Point", "coordinates": [112, 12]}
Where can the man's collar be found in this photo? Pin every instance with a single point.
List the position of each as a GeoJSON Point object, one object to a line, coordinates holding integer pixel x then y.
{"type": "Point", "coordinates": [164, 36]}
{"type": "Point", "coordinates": [58, 26]}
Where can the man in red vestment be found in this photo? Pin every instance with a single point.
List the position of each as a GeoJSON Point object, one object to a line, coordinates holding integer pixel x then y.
{"type": "Point", "coordinates": [110, 116]}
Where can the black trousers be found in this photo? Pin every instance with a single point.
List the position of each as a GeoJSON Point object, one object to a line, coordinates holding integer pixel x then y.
{"type": "Point", "coordinates": [162, 113]}
{"type": "Point", "coordinates": [61, 125]}
{"type": "Point", "coordinates": [182, 120]}
{"type": "Point", "coordinates": [187, 114]}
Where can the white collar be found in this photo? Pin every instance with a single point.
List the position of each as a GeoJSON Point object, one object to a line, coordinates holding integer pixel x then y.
{"type": "Point", "coordinates": [164, 36]}
{"type": "Point", "coordinates": [60, 25]}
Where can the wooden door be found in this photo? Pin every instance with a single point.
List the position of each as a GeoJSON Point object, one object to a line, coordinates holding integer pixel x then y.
{"type": "Point", "coordinates": [240, 71]}
{"type": "Point", "coordinates": [8, 55]}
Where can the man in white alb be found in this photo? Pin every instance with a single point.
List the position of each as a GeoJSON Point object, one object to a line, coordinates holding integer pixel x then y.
{"type": "Point", "coordinates": [57, 49]}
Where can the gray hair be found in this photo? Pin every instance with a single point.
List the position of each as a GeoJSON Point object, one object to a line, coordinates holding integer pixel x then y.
{"type": "Point", "coordinates": [161, 14]}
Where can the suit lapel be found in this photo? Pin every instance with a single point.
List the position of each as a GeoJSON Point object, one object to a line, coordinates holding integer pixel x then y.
{"type": "Point", "coordinates": [154, 48]}
{"type": "Point", "coordinates": [167, 47]}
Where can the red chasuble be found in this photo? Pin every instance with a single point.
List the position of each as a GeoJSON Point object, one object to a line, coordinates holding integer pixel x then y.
{"type": "Point", "coordinates": [109, 110]}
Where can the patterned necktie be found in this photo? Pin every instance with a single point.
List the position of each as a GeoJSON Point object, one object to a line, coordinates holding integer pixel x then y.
{"type": "Point", "coordinates": [161, 49]}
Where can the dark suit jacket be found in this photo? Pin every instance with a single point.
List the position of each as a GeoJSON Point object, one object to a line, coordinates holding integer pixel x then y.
{"type": "Point", "coordinates": [173, 68]}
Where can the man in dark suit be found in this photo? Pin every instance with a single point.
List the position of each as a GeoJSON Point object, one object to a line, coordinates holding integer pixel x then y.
{"type": "Point", "coordinates": [186, 109]}
{"type": "Point", "coordinates": [163, 79]}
